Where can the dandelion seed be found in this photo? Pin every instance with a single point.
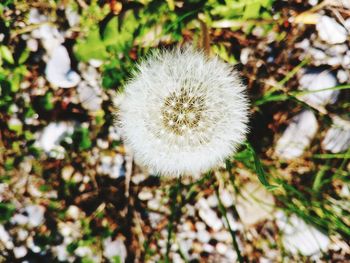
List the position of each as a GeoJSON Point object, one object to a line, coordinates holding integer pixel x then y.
{"type": "Point", "coordinates": [203, 109]}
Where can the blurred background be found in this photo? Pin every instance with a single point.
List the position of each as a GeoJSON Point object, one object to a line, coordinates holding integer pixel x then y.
{"type": "Point", "coordinates": [70, 191]}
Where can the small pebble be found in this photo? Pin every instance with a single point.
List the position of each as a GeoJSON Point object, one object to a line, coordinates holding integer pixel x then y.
{"type": "Point", "coordinates": [298, 135]}
{"type": "Point", "coordinates": [221, 248]}
{"type": "Point", "coordinates": [203, 236]}
{"type": "Point", "coordinates": [316, 79]}
{"type": "Point", "coordinates": [330, 31]}
{"type": "Point", "coordinates": [20, 252]}
{"type": "Point", "coordinates": [226, 198]}
{"type": "Point", "coordinates": [337, 138]}
{"type": "Point", "coordinates": [298, 237]}
{"type": "Point", "coordinates": [145, 195]}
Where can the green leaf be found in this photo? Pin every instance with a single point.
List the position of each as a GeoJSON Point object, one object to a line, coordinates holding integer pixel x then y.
{"type": "Point", "coordinates": [24, 56]}
{"type": "Point", "coordinates": [260, 170]}
{"type": "Point", "coordinates": [82, 138]}
{"type": "Point", "coordinates": [6, 211]}
{"type": "Point", "coordinates": [252, 10]}
{"type": "Point", "coordinates": [9, 164]}
{"type": "Point", "coordinates": [92, 47]}
{"type": "Point", "coordinates": [6, 54]}
{"type": "Point", "coordinates": [266, 3]}
{"type": "Point", "coordinates": [119, 39]}
{"type": "Point", "coordinates": [47, 101]}
{"type": "Point", "coordinates": [116, 259]}
{"type": "Point", "coordinates": [16, 127]}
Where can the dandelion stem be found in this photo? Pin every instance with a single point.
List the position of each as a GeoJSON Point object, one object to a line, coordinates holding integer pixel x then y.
{"type": "Point", "coordinates": [174, 211]}
{"type": "Point", "coordinates": [232, 232]}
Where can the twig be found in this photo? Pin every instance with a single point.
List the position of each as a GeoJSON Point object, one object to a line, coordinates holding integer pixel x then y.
{"type": "Point", "coordinates": [204, 42]}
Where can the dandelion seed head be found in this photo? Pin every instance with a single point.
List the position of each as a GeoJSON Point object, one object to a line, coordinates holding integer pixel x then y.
{"type": "Point", "coordinates": [193, 105]}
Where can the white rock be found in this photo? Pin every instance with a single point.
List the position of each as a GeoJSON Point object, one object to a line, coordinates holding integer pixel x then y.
{"type": "Point", "coordinates": [35, 17]}
{"type": "Point", "coordinates": [337, 138]}
{"type": "Point", "coordinates": [185, 246]}
{"type": "Point", "coordinates": [210, 217]}
{"type": "Point", "coordinates": [317, 54]}
{"type": "Point", "coordinates": [50, 37]}
{"type": "Point", "coordinates": [31, 245]}
{"type": "Point", "coordinates": [347, 22]}
{"type": "Point", "coordinates": [95, 63]}
{"type": "Point", "coordinates": [111, 165]}
{"type": "Point", "coordinates": [208, 248]}
{"type": "Point", "coordinates": [346, 60]}
{"type": "Point", "coordinates": [298, 135]}
{"type": "Point", "coordinates": [138, 178]}
{"type": "Point", "coordinates": [70, 229]}
{"type": "Point", "coordinates": [35, 214]}
{"type": "Point", "coordinates": [32, 44]}
{"type": "Point", "coordinates": [19, 219]}
{"type": "Point", "coordinates": [330, 31]}
{"type": "Point", "coordinates": [61, 252]}
{"type": "Point", "coordinates": [145, 195]}
{"type": "Point", "coordinates": [345, 192]}
{"type": "Point", "coordinates": [72, 16]}
{"type": "Point", "coordinates": [212, 201]}
{"type": "Point", "coordinates": [154, 218]}
{"type": "Point", "coordinates": [200, 226]}
{"type": "Point", "coordinates": [226, 198]}
{"type": "Point", "coordinates": [83, 252]}
{"type": "Point", "coordinates": [102, 144]}
{"type": "Point", "coordinates": [203, 236]}
{"type": "Point", "coordinates": [254, 204]}
{"type": "Point", "coordinates": [317, 79]}
{"type": "Point", "coordinates": [154, 204]}
{"type": "Point", "coordinates": [190, 210]}
{"type": "Point", "coordinates": [187, 235]}
{"type": "Point", "coordinates": [335, 61]}
{"type": "Point", "coordinates": [222, 236]}
{"type": "Point", "coordinates": [114, 133]}
{"type": "Point", "coordinates": [20, 252]}
{"type": "Point", "coordinates": [233, 223]}
{"type": "Point", "coordinates": [343, 3]}
{"type": "Point", "coordinates": [58, 69]}
{"type": "Point", "coordinates": [176, 258]}
{"type": "Point", "coordinates": [343, 76]}
{"type": "Point", "coordinates": [53, 134]}
{"type": "Point", "coordinates": [304, 44]}
{"type": "Point", "coordinates": [301, 237]}
{"type": "Point", "coordinates": [114, 248]}
{"type": "Point", "coordinates": [22, 234]}
{"type": "Point", "coordinates": [73, 212]}
{"type": "Point", "coordinates": [337, 49]}
{"type": "Point", "coordinates": [89, 96]}
{"type": "Point", "coordinates": [313, 2]}
{"type": "Point", "coordinates": [221, 248]}
{"type": "Point", "coordinates": [232, 255]}
{"type": "Point", "coordinates": [34, 217]}
{"type": "Point", "coordinates": [5, 238]}
{"type": "Point", "coordinates": [245, 55]}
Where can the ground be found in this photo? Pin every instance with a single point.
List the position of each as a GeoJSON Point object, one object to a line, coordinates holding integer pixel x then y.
{"type": "Point", "coordinates": [70, 190]}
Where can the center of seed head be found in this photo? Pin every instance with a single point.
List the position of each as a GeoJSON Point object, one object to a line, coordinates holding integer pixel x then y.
{"type": "Point", "coordinates": [182, 111]}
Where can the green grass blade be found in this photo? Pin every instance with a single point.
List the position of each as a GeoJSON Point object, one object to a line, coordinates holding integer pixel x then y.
{"type": "Point", "coordinates": [260, 170]}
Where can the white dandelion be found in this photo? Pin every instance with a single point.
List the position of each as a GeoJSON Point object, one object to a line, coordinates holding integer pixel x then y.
{"type": "Point", "coordinates": [183, 113]}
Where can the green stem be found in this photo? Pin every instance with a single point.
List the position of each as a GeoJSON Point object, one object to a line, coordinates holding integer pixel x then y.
{"type": "Point", "coordinates": [174, 209]}
{"type": "Point", "coordinates": [233, 233]}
